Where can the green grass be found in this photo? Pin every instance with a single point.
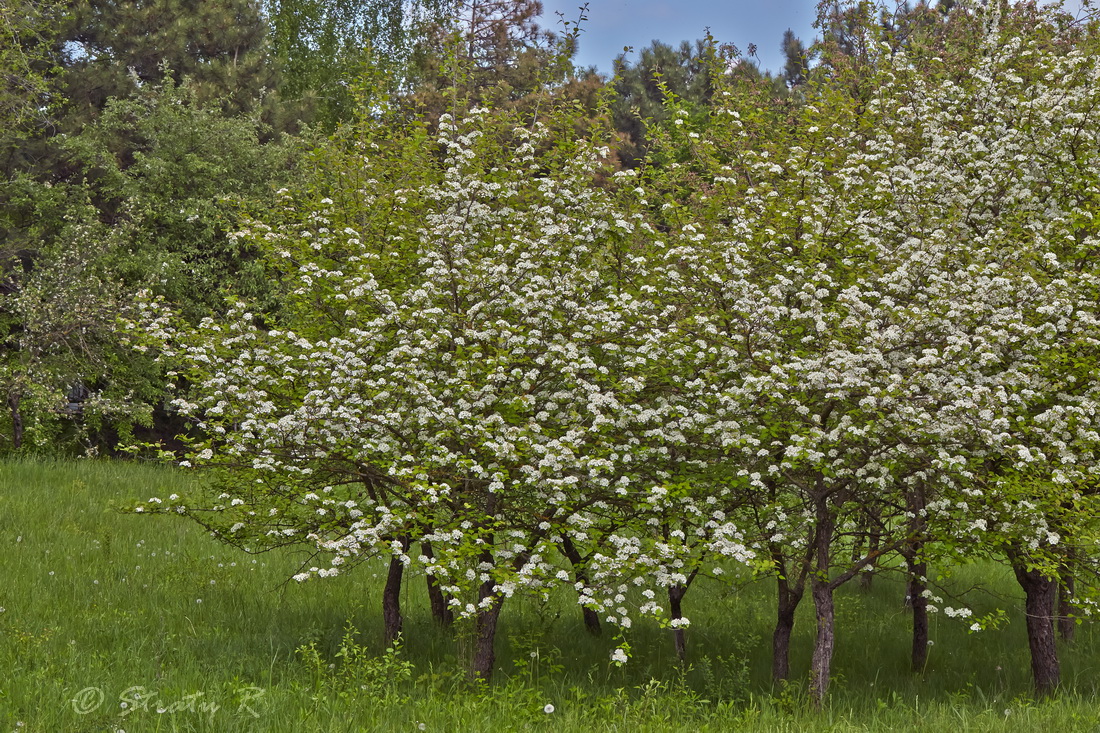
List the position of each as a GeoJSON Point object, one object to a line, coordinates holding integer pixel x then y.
{"type": "Point", "coordinates": [98, 604]}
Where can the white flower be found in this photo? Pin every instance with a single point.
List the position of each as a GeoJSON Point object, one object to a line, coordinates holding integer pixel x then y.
{"type": "Point", "coordinates": [548, 709]}
{"type": "Point", "coordinates": [619, 656]}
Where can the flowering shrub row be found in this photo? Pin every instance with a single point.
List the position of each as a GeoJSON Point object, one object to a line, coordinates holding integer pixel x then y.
{"type": "Point", "coordinates": [813, 338]}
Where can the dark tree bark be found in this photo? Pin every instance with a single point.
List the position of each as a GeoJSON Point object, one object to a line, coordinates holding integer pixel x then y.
{"type": "Point", "coordinates": [485, 631]}
{"type": "Point", "coordinates": [1039, 598]}
{"type": "Point", "coordinates": [822, 591]}
{"type": "Point", "coordinates": [917, 568]}
{"type": "Point", "coordinates": [484, 641]}
{"type": "Point", "coordinates": [391, 598]}
{"type": "Point", "coordinates": [591, 618]}
{"type": "Point", "coordinates": [1067, 611]}
{"type": "Point", "coordinates": [918, 604]}
{"type": "Point", "coordinates": [437, 599]}
{"type": "Point", "coordinates": [789, 598]}
{"type": "Point", "coordinates": [824, 643]}
{"type": "Point", "coordinates": [675, 597]}
{"type": "Point", "coordinates": [14, 399]}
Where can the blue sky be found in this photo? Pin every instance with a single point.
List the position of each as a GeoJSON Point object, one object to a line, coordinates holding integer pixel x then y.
{"type": "Point", "coordinates": [613, 24]}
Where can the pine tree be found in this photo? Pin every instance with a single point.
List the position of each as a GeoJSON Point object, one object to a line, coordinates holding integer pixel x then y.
{"type": "Point", "coordinates": [641, 87]}
{"type": "Point", "coordinates": [494, 52]}
{"type": "Point", "coordinates": [796, 60]}
{"type": "Point", "coordinates": [112, 47]}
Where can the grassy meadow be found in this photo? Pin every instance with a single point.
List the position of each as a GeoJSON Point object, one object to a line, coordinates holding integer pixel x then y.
{"type": "Point", "coordinates": [117, 622]}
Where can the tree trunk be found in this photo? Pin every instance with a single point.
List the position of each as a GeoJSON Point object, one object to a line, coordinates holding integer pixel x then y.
{"type": "Point", "coordinates": [441, 609]}
{"type": "Point", "coordinates": [822, 591]}
{"type": "Point", "coordinates": [591, 621]}
{"type": "Point", "coordinates": [1039, 596]}
{"type": "Point", "coordinates": [679, 636]}
{"type": "Point", "coordinates": [1067, 612]}
{"type": "Point", "coordinates": [918, 569]}
{"type": "Point", "coordinates": [591, 618]}
{"type": "Point", "coordinates": [822, 660]}
{"type": "Point", "coordinates": [485, 623]}
{"type": "Point", "coordinates": [789, 599]}
{"type": "Point", "coordinates": [391, 598]}
{"type": "Point", "coordinates": [14, 398]}
{"type": "Point", "coordinates": [485, 630]}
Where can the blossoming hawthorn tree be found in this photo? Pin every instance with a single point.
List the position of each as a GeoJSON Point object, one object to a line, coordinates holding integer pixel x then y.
{"type": "Point", "coordinates": [464, 365]}
{"type": "Point", "coordinates": [1016, 138]}
{"type": "Point", "coordinates": [770, 315]}
{"type": "Point", "coordinates": [1044, 122]}
{"type": "Point", "coordinates": [647, 545]}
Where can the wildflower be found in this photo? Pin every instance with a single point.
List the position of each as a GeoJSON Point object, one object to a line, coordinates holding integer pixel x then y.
{"type": "Point", "coordinates": [548, 709]}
